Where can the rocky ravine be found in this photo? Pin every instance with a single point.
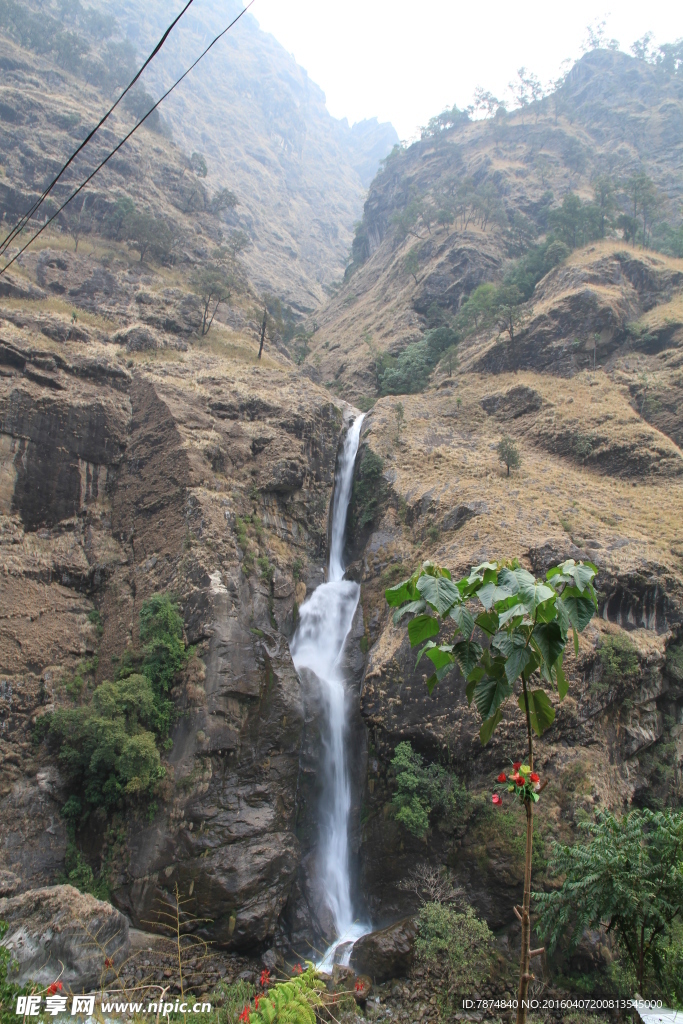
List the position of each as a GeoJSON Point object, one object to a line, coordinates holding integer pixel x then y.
{"type": "Point", "coordinates": [119, 481]}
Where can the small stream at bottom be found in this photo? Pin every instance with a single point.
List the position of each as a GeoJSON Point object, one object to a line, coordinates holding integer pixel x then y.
{"type": "Point", "coordinates": [325, 621]}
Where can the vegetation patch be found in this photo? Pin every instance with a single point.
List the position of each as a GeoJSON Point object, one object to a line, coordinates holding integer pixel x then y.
{"type": "Point", "coordinates": [427, 789]}
{"type": "Point", "coordinates": [462, 943]}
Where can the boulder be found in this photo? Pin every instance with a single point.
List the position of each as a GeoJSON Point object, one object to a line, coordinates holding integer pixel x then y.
{"type": "Point", "coordinates": [387, 953]}
{"type": "Point", "coordinates": [61, 932]}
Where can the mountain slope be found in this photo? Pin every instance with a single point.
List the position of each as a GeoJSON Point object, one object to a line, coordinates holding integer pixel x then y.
{"type": "Point", "coordinates": [264, 130]}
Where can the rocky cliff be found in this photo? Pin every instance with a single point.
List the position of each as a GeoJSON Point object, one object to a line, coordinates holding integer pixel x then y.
{"type": "Point", "coordinates": [140, 457]}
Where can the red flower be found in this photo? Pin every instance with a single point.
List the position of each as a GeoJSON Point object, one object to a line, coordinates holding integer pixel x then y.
{"type": "Point", "coordinates": [534, 777]}
{"type": "Point", "coordinates": [256, 1002]}
{"type": "Point", "coordinates": [297, 969]}
{"type": "Point", "coordinates": [517, 765]}
{"type": "Point", "coordinates": [108, 962]}
{"type": "Point", "coordinates": [495, 799]}
{"type": "Point", "coordinates": [518, 779]}
{"type": "Point", "coordinates": [56, 986]}
{"type": "Point", "coordinates": [502, 777]}
{"type": "Point", "coordinates": [265, 978]}
{"type": "Point", "coordinates": [245, 1015]}
{"type": "Point", "coordinates": [359, 986]}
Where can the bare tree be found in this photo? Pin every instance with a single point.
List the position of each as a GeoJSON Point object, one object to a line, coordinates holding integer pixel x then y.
{"type": "Point", "coordinates": [432, 886]}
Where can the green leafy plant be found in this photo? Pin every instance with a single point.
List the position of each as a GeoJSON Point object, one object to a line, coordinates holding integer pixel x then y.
{"type": "Point", "coordinates": [527, 623]}
{"type": "Point", "coordinates": [508, 453]}
{"type": "Point", "coordinates": [422, 788]}
{"type": "Point", "coordinates": [294, 1001]}
{"type": "Point", "coordinates": [628, 877]}
{"type": "Point", "coordinates": [461, 942]}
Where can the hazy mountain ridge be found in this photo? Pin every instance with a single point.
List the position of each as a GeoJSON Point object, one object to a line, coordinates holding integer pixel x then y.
{"type": "Point", "coordinates": [264, 129]}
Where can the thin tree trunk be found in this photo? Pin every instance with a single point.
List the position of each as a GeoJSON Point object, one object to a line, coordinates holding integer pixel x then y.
{"type": "Point", "coordinates": [263, 331]}
{"type": "Point", "coordinates": [524, 959]}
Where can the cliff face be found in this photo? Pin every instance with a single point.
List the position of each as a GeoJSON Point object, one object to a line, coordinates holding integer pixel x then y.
{"type": "Point", "coordinates": [119, 482]}
{"type": "Point", "coordinates": [139, 457]}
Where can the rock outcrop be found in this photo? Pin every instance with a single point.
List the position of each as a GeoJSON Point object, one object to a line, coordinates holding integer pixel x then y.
{"type": "Point", "coordinates": [59, 932]}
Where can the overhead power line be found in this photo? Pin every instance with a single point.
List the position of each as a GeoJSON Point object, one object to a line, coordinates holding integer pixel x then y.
{"type": "Point", "coordinates": [125, 138]}
{"type": "Point", "coordinates": [29, 214]}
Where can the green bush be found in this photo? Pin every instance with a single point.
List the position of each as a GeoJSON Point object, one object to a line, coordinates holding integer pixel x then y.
{"type": "Point", "coordinates": [409, 372]}
{"type": "Point", "coordinates": [368, 490]}
{"type": "Point", "coordinates": [618, 658]}
{"type": "Point", "coordinates": [108, 748]}
{"type": "Point", "coordinates": [423, 789]}
{"type": "Point", "coordinates": [106, 752]}
{"type": "Point", "coordinates": [461, 942]}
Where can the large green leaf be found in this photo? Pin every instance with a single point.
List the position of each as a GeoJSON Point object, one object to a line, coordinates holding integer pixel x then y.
{"type": "Point", "coordinates": [532, 594]}
{"type": "Point", "coordinates": [580, 610]}
{"type": "Point", "coordinates": [491, 594]}
{"type": "Point", "coordinates": [405, 591]}
{"type": "Point", "coordinates": [467, 653]}
{"type": "Point", "coordinates": [488, 621]}
{"type": "Point", "coordinates": [441, 656]}
{"type": "Point", "coordinates": [562, 684]}
{"type": "Point", "coordinates": [412, 608]}
{"type": "Point", "coordinates": [422, 627]}
{"type": "Point", "coordinates": [515, 611]}
{"type": "Point", "coordinates": [541, 711]}
{"type": "Point", "coordinates": [489, 694]}
{"type": "Point", "coordinates": [488, 727]}
{"type": "Point", "coordinates": [463, 618]}
{"type": "Point", "coordinates": [436, 677]}
{"type": "Point", "coordinates": [439, 592]}
{"type": "Point", "coordinates": [516, 663]}
{"type": "Point", "coordinates": [547, 637]}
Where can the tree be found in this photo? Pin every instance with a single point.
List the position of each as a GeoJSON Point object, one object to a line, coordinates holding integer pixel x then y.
{"type": "Point", "coordinates": [411, 263]}
{"type": "Point", "coordinates": [486, 103]}
{"type": "Point", "coordinates": [214, 286]}
{"type": "Point", "coordinates": [224, 199]}
{"type": "Point", "coordinates": [149, 234]}
{"type": "Point", "coordinates": [628, 877]}
{"type": "Point", "coordinates": [76, 221]}
{"type": "Point", "coordinates": [398, 409]}
{"type": "Point", "coordinates": [480, 308]}
{"type": "Point", "coordinates": [198, 165]}
{"type": "Point", "coordinates": [507, 453]}
{"type": "Point", "coordinates": [603, 190]}
{"type": "Point", "coordinates": [117, 217]}
{"type": "Point", "coordinates": [527, 624]}
{"type": "Point", "coordinates": [511, 314]}
{"type": "Point", "coordinates": [642, 192]}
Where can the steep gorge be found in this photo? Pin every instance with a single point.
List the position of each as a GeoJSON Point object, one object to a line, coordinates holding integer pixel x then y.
{"type": "Point", "coordinates": [139, 457]}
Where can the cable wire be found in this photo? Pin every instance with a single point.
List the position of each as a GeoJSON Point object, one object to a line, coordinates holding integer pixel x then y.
{"type": "Point", "coordinates": [27, 216]}
{"type": "Point", "coordinates": [125, 138]}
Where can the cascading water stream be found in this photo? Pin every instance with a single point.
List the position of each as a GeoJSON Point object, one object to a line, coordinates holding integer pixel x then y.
{"type": "Point", "coordinates": [324, 624]}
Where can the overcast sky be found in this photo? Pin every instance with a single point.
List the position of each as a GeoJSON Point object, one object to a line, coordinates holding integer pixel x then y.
{"type": "Point", "coordinates": [404, 62]}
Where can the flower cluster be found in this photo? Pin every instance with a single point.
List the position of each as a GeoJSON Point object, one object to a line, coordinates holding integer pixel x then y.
{"type": "Point", "coordinates": [359, 985]}
{"type": "Point", "coordinates": [521, 781]}
{"type": "Point", "coordinates": [56, 986]}
{"type": "Point", "coordinates": [244, 1016]}
{"type": "Point", "coordinates": [297, 969]}
{"type": "Point", "coordinates": [265, 978]}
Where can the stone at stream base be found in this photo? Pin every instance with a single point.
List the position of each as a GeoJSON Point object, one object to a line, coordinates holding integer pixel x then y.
{"type": "Point", "coordinates": [59, 923]}
{"type": "Point", "coordinates": [387, 953]}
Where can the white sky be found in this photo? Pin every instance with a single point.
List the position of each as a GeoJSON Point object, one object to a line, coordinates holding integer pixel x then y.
{"type": "Point", "coordinates": [404, 62]}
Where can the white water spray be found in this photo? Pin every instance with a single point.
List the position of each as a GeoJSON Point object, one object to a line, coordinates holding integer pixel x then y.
{"type": "Point", "coordinates": [325, 622]}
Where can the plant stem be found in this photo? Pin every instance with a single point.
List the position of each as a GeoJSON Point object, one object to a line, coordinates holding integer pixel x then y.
{"type": "Point", "coordinates": [526, 902]}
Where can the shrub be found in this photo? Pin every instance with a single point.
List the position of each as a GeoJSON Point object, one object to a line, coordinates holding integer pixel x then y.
{"type": "Point", "coordinates": [8, 990]}
{"type": "Point", "coordinates": [423, 789]}
{"type": "Point", "coordinates": [618, 659]}
{"type": "Point", "coordinates": [368, 490]}
{"type": "Point", "coordinates": [106, 753]}
{"type": "Point", "coordinates": [461, 942]}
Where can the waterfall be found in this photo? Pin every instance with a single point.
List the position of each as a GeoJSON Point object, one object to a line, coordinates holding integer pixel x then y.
{"type": "Point", "coordinates": [324, 623]}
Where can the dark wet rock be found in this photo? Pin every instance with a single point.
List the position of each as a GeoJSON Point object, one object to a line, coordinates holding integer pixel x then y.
{"type": "Point", "coordinates": [387, 953]}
